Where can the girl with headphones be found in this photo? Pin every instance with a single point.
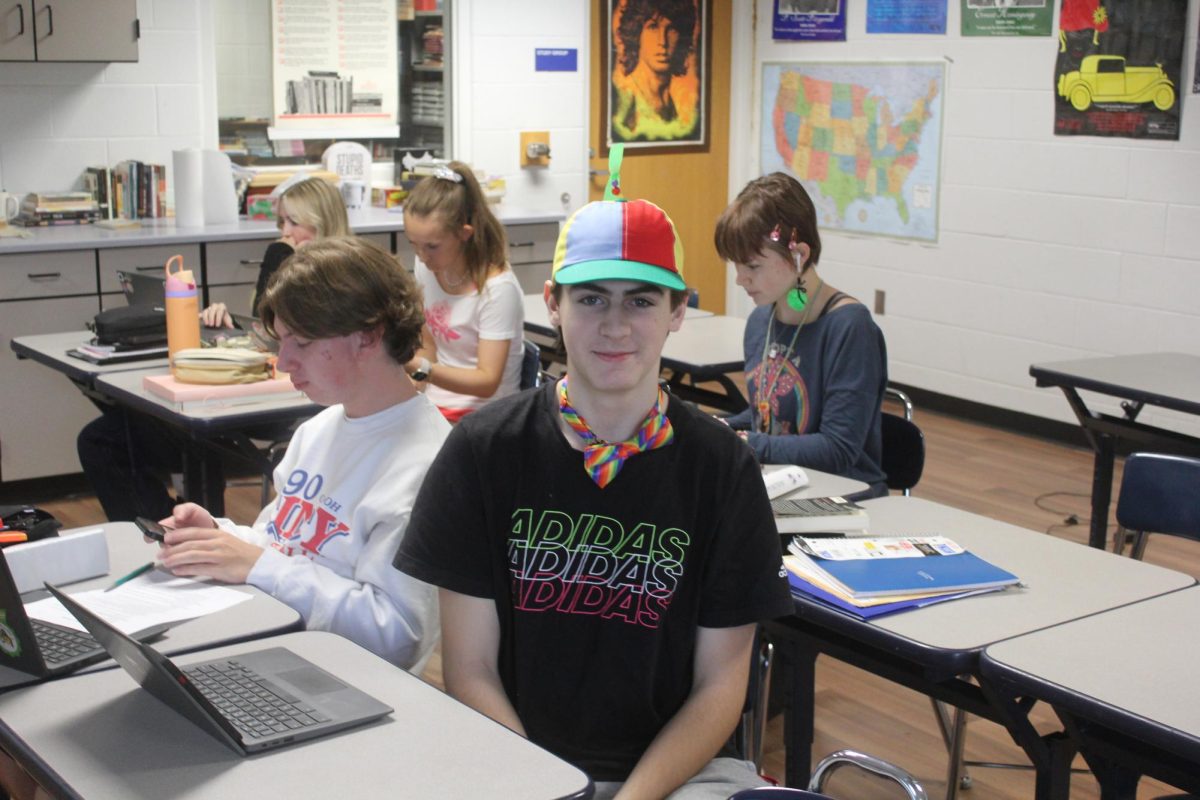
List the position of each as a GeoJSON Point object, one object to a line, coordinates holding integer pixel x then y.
{"type": "Point", "coordinates": [816, 362]}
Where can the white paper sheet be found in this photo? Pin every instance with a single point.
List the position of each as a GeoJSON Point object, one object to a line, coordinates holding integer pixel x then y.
{"type": "Point", "coordinates": [153, 598]}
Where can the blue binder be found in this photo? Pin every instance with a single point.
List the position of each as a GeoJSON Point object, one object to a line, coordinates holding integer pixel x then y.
{"type": "Point", "coordinates": [875, 577]}
{"type": "Point", "coordinates": [802, 588]}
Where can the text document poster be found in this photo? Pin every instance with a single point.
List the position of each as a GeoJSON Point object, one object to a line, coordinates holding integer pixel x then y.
{"type": "Point", "coordinates": [335, 63]}
{"type": "Point", "coordinates": [811, 20]}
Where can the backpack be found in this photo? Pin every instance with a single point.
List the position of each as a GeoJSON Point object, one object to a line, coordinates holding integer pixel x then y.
{"type": "Point", "coordinates": [130, 327]}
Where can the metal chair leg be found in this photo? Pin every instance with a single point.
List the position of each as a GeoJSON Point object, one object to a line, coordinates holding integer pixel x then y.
{"type": "Point", "coordinates": [1119, 537]}
{"type": "Point", "coordinates": [1139, 545]}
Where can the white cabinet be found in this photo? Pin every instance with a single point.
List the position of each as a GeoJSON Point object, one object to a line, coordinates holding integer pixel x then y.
{"type": "Point", "coordinates": [68, 30]}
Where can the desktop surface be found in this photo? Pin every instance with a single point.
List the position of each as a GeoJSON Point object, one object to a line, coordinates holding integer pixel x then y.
{"type": "Point", "coordinates": [262, 616]}
{"type": "Point", "coordinates": [1131, 669]}
{"type": "Point", "coordinates": [1061, 581]}
{"type": "Point", "coordinates": [100, 735]}
{"type": "Point", "coordinates": [1170, 380]}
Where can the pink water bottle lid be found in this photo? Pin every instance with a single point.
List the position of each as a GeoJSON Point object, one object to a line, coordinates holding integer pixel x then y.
{"type": "Point", "coordinates": [180, 283]}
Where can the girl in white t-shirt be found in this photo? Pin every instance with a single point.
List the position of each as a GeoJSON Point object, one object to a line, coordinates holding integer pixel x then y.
{"type": "Point", "coordinates": [474, 317]}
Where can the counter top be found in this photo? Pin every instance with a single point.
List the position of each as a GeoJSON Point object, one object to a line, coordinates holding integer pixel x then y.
{"type": "Point", "coordinates": [164, 231]}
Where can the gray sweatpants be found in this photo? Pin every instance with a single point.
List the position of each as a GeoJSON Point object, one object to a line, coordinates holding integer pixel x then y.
{"type": "Point", "coordinates": [720, 778]}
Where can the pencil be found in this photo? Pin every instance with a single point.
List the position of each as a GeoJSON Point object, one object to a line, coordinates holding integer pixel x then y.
{"type": "Point", "coordinates": [144, 568]}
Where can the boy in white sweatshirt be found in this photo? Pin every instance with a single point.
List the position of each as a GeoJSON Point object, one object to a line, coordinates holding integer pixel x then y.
{"type": "Point", "coordinates": [347, 317]}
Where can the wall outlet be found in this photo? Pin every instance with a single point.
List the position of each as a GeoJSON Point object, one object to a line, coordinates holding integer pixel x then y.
{"type": "Point", "coordinates": [880, 297]}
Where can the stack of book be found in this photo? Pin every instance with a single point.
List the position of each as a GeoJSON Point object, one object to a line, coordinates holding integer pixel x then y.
{"type": "Point", "coordinates": [873, 576]}
{"type": "Point", "coordinates": [130, 190]}
{"type": "Point", "coordinates": [58, 208]}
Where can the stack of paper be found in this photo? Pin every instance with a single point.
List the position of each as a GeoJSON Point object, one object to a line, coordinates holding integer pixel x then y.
{"type": "Point", "coordinates": [781, 480]}
{"type": "Point", "coordinates": [874, 576]}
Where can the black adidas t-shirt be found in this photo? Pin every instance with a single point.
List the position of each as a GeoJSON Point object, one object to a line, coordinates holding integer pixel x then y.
{"type": "Point", "coordinates": [599, 591]}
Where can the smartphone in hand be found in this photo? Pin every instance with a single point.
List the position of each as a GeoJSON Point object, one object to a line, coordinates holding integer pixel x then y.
{"type": "Point", "coordinates": [150, 528]}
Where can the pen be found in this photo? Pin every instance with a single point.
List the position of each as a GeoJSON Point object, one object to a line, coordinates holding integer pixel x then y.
{"type": "Point", "coordinates": [126, 578]}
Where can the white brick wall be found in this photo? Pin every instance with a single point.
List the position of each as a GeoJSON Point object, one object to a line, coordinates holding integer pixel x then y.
{"type": "Point", "coordinates": [58, 119]}
{"type": "Point", "coordinates": [499, 94]}
{"type": "Point", "coordinates": [1050, 247]}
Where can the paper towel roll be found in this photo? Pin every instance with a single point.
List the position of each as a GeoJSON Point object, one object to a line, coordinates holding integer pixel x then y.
{"type": "Point", "coordinates": [189, 187]}
{"type": "Point", "coordinates": [220, 199]}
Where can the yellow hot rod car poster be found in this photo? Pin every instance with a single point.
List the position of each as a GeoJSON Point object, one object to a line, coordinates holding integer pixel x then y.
{"type": "Point", "coordinates": [1118, 68]}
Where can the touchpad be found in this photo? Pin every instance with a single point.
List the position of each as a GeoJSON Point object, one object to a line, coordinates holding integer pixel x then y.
{"type": "Point", "coordinates": [311, 680]}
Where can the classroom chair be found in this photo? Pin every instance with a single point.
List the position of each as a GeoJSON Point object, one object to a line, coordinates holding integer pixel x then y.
{"type": "Point", "coordinates": [826, 767]}
{"type": "Point", "coordinates": [903, 445]}
{"type": "Point", "coordinates": [751, 733]}
{"type": "Point", "coordinates": [531, 365]}
{"type": "Point", "coordinates": [1159, 494]}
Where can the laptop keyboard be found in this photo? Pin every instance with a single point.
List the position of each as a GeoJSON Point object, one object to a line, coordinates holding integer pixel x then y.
{"type": "Point", "coordinates": [254, 705]}
{"type": "Point", "coordinates": [58, 645]}
{"type": "Point", "coordinates": [812, 507]}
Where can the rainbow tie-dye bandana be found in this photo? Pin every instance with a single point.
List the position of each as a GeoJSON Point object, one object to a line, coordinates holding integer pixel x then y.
{"type": "Point", "coordinates": [603, 460]}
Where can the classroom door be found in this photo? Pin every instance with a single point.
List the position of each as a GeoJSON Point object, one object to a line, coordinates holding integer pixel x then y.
{"type": "Point", "coordinates": [691, 187]}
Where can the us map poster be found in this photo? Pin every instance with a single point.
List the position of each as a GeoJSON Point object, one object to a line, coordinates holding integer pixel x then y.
{"type": "Point", "coordinates": [863, 138]}
{"type": "Point", "coordinates": [1119, 68]}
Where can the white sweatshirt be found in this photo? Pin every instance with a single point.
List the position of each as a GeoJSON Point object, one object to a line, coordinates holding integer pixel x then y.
{"type": "Point", "coordinates": [345, 491]}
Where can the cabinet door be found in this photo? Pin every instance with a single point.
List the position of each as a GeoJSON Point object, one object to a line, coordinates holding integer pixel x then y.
{"type": "Point", "coordinates": [234, 262]}
{"type": "Point", "coordinates": [56, 273]}
{"type": "Point", "coordinates": [42, 410]}
{"type": "Point", "coordinates": [237, 298]}
{"type": "Point", "coordinates": [86, 30]}
{"type": "Point", "coordinates": [16, 30]}
{"type": "Point", "coordinates": [149, 260]}
{"type": "Point", "coordinates": [531, 253]}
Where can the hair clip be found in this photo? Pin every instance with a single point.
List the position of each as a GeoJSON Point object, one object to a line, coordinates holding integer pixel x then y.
{"type": "Point", "coordinates": [446, 174]}
{"type": "Point", "coordinates": [775, 233]}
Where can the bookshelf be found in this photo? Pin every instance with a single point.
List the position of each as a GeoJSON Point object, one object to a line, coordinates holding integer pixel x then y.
{"type": "Point", "coordinates": [425, 71]}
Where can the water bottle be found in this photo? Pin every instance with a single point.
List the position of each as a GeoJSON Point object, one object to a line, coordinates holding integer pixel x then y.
{"type": "Point", "coordinates": [183, 308]}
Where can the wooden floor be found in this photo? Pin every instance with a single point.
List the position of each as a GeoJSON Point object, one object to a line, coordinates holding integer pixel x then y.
{"type": "Point", "coordinates": [1017, 479]}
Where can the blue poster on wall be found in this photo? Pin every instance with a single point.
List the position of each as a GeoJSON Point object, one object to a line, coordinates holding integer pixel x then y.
{"type": "Point", "coordinates": [906, 16]}
{"type": "Point", "coordinates": [809, 20]}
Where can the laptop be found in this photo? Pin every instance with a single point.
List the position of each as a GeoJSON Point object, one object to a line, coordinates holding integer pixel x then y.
{"type": "Point", "coordinates": [143, 289]}
{"type": "Point", "coordinates": [149, 289]}
{"type": "Point", "coordinates": [43, 648]}
{"type": "Point", "coordinates": [252, 701]}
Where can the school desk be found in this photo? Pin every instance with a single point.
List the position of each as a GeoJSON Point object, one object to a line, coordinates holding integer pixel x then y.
{"type": "Point", "coordinates": [1166, 380]}
{"type": "Point", "coordinates": [50, 349]}
{"type": "Point", "coordinates": [100, 735]}
{"type": "Point", "coordinates": [208, 429]}
{"type": "Point", "coordinates": [936, 650]}
{"type": "Point", "coordinates": [261, 616]}
{"type": "Point", "coordinates": [1124, 685]}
